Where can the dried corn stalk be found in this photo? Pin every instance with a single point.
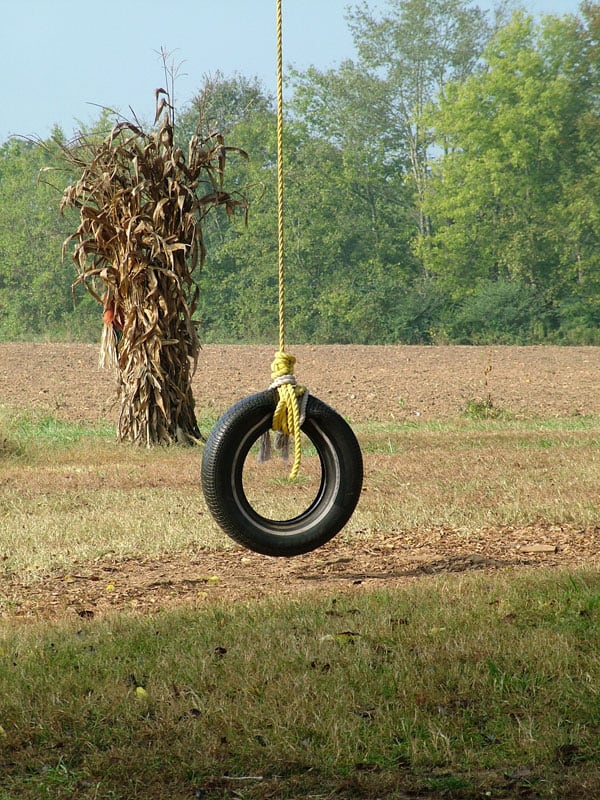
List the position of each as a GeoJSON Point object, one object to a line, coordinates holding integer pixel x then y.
{"type": "Point", "coordinates": [137, 249]}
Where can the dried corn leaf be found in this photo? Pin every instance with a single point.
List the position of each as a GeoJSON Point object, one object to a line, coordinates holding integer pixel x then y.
{"type": "Point", "coordinates": [137, 248]}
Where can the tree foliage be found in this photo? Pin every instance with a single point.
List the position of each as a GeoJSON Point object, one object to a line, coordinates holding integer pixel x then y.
{"type": "Point", "coordinates": [35, 292]}
{"type": "Point", "coordinates": [513, 197]}
{"type": "Point", "coordinates": [442, 186]}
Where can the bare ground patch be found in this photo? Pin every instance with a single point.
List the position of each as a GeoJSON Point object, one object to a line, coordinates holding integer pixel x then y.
{"type": "Point", "coordinates": [202, 576]}
{"type": "Point", "coordinates": [361, 382]}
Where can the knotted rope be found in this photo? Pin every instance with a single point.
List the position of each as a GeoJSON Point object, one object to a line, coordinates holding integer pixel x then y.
{"type": "Point", "coordinates": [287, 416]}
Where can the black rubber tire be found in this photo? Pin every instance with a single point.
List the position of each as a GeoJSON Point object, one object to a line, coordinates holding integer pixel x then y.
{"type": "Point", "coordinates": [226, 450]}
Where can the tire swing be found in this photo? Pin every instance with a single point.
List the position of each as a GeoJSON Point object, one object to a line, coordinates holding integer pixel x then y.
{"type": "Point", "coordinates": [289, 410]}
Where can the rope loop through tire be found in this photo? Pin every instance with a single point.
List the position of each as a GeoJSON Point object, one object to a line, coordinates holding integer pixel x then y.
{"type": "Point", "coordinates": [227, 449]}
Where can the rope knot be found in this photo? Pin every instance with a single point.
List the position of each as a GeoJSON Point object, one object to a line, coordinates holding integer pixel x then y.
{"type": "Point", "coordinates": [286, 417]}
{"type": "Point", "coordinates": [283, 367]}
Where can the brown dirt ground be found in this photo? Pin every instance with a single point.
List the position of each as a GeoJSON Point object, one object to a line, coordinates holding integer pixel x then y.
{"type": "Point", "coordinates": [386, 383]}
{"type": "Point", "coordinates": [383, 383]}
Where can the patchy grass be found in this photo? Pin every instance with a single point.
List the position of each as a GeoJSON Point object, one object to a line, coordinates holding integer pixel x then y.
{"type": "Point", "coordinates": [28, 434]}
{"type": "Point", "coordinates": [471, 474]}
{"type": "Point", "coordinates": [71, 493]}
{"type": "Point", "coordinates": [485, 409]}
{"type": "Point", "coordinates": [468, 687]}
{"type": "Point", "coordinates": [465, 687]}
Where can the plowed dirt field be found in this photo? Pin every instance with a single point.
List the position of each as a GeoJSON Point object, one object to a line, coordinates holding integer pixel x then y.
{"type": "Point", "coordinates": [384, 383]}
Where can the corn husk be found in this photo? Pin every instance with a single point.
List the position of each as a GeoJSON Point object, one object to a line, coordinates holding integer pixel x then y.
{"type": "Point", "coordinates": [139, 248]}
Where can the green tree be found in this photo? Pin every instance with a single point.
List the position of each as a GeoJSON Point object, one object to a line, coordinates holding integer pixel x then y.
{"type": "Point", "coordinates": [239, 256]}
{"type": "Point", "coordinates": [35, 284]}
{"type": "Point", "coordinates": [578, 241]}
{"type": "Point", "coordinates": [373, 111]}
{"type": "Point", "coordinates": [223, 102]}
{"type": "Point", "coordinates": [367, 196]}
{"type": "Point", "coordinates": [416, 48]}
{"type": "Point", "coordinates": [497, 312]}
{"type": "Point", "coordinates": [511, 198]}
{"type": "Point", "coordinates": [342, 236]}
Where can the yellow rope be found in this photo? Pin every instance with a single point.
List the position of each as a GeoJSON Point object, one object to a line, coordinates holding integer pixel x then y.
{"type": "Point", "coordinates": [280, 178]}
{"type": "Point", "coordinates": [287, 413]}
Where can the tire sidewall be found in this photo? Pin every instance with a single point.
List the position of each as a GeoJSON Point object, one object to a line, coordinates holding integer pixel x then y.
{"type": "Point", "coordinates": [222, 466]}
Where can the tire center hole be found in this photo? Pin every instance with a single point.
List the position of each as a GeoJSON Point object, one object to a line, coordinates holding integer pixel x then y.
{"type": "Point", "coordinates": [267, 485]}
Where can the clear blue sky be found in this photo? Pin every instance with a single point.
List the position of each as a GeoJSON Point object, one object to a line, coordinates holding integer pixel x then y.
{"type": "Point", "coordinates": [60, 56]}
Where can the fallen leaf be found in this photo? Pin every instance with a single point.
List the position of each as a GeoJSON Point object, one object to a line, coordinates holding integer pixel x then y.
{"type": "Point", "coordinates": [435, 631]}
{"type": "Point", "coordinates": [539, 548]}
{"type": "Point", "coordinates": [348, 636]}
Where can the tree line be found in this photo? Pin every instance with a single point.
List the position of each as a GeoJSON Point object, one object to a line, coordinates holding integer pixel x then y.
{"type": "Point", "coordinates": [442, 187]}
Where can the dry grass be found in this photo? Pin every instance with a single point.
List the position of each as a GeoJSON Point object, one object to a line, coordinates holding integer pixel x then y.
{"type": "Point", "coordinates": [92, 497]}
{"type": "Point", "coordinates": [474, 475]}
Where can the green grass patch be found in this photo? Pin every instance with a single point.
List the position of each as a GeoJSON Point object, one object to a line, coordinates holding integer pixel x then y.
{"type": "Point", "coordinates": [470, 687]}
{"type": "Point", "coordinates": [28, 433]}
{"type": "Point", "coordinates": [465, 425]}
{"type": "Point", "coordinates": [485, 409]}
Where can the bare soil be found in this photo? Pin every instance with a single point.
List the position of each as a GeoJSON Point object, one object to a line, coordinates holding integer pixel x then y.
{"type": "Point", "coordinates": [363, 383]}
